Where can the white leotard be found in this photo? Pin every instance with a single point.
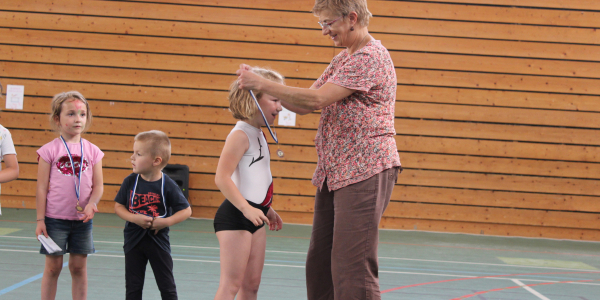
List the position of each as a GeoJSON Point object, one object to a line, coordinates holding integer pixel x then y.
{"type": "Point", "coordinates": [252, 176]}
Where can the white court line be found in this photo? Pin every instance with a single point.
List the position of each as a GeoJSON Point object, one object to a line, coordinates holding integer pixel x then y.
{"type": "Point", "coordinates": [177, 246]}
{"type": "Point", "coordinates": [383, 257]}
{"type": "Point", "coordinates": [484, 264]}
{"type": "Point", "coordinates": [530, 289]}
{"type": "Point", "coordinates": [14, 250]}
{"type": "Point", "coordinates": [197, 260]}
{"type": "Point", "coordinates": [295, 266]}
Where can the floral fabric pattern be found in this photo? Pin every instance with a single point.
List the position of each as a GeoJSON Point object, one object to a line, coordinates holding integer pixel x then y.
{"type": "Point", "coordinates": [355, 139]}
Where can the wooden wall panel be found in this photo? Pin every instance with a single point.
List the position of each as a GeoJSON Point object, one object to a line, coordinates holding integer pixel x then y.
{"type": "Point", "coordinates": [497, 112]}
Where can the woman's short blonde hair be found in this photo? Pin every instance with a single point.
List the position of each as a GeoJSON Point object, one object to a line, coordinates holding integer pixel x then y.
{"type": "Point", "coordinates": [241, 104]}
{"type": "Point", "coordinates": [56, 107]}
{"type": "Point", "coordinates": [344, 8]}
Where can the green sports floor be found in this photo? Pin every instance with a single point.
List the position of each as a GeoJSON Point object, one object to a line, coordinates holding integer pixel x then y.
{"type": "Point", "coordinates": [413, 264]}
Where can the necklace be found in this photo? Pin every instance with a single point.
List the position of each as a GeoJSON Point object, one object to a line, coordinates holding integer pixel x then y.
{"type": "Point", "coordinates": [361, 41]}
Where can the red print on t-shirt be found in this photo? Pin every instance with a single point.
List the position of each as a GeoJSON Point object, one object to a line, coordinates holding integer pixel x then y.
{"type": "Point", "coordinates": [64, 165]}
{"type": "Point", "coordinates": [145, 204]}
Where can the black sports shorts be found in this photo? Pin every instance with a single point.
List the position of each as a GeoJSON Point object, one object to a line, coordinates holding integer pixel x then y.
{"type": "Point", "coordinates": [228, 217]}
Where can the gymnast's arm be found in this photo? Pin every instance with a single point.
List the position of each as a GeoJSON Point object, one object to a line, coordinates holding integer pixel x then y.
{"type": "Point", "coordinates": [236, 145]}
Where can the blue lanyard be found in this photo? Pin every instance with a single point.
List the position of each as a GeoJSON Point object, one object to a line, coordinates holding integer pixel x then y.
{"type": "Point", "coordinates": [265, 119]}
{"type": "Point", "coordinates": [77, 186]}
{"type": "Point", "coordinates": [162, 192]}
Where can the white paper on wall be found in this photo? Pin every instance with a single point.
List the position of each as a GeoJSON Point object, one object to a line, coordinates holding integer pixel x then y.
{"type": "Point", "coordinates": [14, 96]}
{"type": "Point", "coordinates": [287, 118]}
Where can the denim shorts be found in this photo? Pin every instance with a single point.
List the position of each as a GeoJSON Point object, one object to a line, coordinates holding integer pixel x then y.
{"type": "Point", "coordinates": [72, 236]}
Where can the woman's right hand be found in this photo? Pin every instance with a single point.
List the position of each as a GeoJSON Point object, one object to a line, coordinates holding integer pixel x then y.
{"type": "Point", "coordinates": [40, 228]}
{"type": "Point", "coordinates": [255, 215]}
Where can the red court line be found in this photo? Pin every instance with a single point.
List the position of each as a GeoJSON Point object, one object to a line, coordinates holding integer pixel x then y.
{"type": "Point", "coordinates": [481, 277]}
{"type": "Point", "coordinates": [518, 286]}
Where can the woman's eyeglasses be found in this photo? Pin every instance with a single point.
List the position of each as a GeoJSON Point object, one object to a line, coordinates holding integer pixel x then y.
{"type": "Point", "coordinates": [327, 25]}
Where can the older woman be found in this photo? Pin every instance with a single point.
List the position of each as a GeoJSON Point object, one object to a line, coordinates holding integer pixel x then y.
{"type": "Point", "coordinates": [358, 159]}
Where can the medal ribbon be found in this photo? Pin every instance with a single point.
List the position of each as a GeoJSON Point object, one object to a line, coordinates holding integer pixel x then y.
{"type": "Point", "coordinates": [77, 186]}
{"type": "Point", "coordinates": [265, 119]}
{"type": "Point", "coordinates": [162, 192]}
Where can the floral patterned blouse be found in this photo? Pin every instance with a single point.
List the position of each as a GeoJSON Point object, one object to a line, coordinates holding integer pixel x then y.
{"type": "Point", "coordinates": [355, 139]}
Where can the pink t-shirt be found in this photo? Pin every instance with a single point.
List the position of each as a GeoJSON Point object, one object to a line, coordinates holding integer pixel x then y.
{"type": "Point", "coordinates": [355, 139]}
{"type": "Point", "coordinates": [61, 198]}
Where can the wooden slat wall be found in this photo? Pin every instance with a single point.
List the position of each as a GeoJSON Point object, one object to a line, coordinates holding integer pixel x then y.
{"type": "Point", "coordinates": [497, 113]}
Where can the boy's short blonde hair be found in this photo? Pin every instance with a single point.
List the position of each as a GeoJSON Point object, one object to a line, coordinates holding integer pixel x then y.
{"type": "Point", "coordinates": [344, 8]}
{"type": "Point", "coordinates": [56, 107]}
{"type": "Point", "coordinates": [158, 143]}
{"type": "Point", "coordinates": [241, 104]}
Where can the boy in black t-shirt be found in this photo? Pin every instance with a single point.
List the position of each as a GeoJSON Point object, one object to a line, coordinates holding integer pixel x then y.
{"type": "Point", "coordinates": [150, 202]}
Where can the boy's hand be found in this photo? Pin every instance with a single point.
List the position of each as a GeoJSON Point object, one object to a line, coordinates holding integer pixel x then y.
{"type": "Point", "coordinates": [88, 212]}
{"type": "Point", "coordinates": [275, 221]}
{"type": "Point", "coordinates": [142, 221]}
{"type": "Point", "coordinates": [255, 215]}
{"type": "Point", "coordinates": [158, 224]}
{"type": "Point", "coordinates": [40, 228]}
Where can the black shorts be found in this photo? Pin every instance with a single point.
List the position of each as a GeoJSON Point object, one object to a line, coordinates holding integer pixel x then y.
{"type": "Point", "coordinates": [228, 217]}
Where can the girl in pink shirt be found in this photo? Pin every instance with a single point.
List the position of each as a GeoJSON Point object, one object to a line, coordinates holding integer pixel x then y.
{"type": "Point", "coordinates": [69, 186]}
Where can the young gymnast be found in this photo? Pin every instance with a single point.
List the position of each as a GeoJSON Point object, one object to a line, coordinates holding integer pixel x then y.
{"type": "Point", "coordinates": [244, 177]}
{"type": "Point", "coordinates": [69, 185]}
{"type": "Point", "coordinates": [150, 202]}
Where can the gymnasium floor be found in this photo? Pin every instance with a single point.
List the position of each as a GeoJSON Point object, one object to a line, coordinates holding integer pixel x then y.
{"type": "Point", "coordinates": [413, 265]}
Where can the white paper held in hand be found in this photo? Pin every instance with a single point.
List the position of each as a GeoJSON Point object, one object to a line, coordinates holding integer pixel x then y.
{"type": "Point", "coordinates": [49, 244]}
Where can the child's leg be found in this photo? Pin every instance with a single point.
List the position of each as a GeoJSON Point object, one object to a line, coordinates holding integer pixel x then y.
{"type": "Point", "coordinates": [78, 268]}
{"type": "Point", "coordinates": [81, 243]}
{"type": "Point", "coordinates": [162, 266]}
{"type": "Point", "coordinates": [135, 271]}
{"type": "Point", "coordinates": [256, 262]}
{"type": "Point", "coordinates": [50, 278]}
{"type": "Point", "coordinates": [235, 248]}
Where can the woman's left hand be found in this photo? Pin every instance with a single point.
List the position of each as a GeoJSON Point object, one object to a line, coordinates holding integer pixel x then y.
{"type": "Point", "coordinates": [88, 212]}
{"type": "Point", "coordinates": [248, 80]}
{"type": "Point", "coordinates": [275, 221]}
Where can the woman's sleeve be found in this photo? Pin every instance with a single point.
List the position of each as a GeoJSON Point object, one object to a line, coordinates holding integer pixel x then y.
{"type": "Point", "coordinates": [359, 72]}
{"type": "Point", "coordinates": [325, 76]}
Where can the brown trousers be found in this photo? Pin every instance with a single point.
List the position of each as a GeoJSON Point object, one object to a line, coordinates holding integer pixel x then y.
{"type": "Point", "coordinates": [342, 259]}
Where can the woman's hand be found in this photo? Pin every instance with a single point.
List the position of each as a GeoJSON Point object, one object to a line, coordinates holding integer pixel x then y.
{"type": "Point", "coordinates": [276, 223]}
{"type": "Point", "coordinates": [88, 212]}
{"type": "Point", "coordinates": [40, 228]}
{"type": "Point", "coordinates": [248, 80]}
{"type": "Point", "coordinates": [255, 215]}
